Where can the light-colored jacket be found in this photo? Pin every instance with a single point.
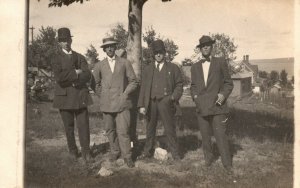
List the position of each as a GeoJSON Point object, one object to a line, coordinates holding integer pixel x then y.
{"type": "Point", "coordinates": [114, 88]}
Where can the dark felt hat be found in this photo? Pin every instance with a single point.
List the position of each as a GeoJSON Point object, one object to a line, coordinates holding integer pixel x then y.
{"type": "Point", "coordinates": [63, 34]}
{"type": "Point", "coordinates": [108, 41]}
{"type": "Point", "coordinates": [158, 46]}
{"type": "Point", "coordinates": [205, 40]}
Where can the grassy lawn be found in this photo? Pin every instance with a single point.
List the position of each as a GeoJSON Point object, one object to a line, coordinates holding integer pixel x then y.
{"type": "Point", "coordinates": [262, 144]}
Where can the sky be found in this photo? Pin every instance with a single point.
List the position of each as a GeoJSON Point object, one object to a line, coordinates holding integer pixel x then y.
{"type": "Point", "coordinates": [263, 29]}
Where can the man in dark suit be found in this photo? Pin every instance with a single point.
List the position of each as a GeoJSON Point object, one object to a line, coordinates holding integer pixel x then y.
{"type": "Point", "coordinates": [115, 81]}
{"type": "Point", "coordinates": [161, 88]}
{"type": "Point", "coordinates": [71, 93]}
{"type": "Point", "coordinates": [210, 87]}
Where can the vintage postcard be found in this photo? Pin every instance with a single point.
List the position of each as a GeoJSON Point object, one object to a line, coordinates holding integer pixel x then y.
{"type": "Point", "coordinates": [160, 93]}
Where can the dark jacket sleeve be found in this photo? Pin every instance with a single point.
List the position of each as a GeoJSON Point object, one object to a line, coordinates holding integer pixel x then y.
{"type": "Point", "coordinates": [193, 81]}
{"type": "Point", "coordinates": [141, 101]}
{"type": "Point", "coordinates": [64, 78]}
{"type": "Point", "coordinates": [132, 81]}
{"type": "Point", "coordinates": [227, 87]}
{"type": "Point", "coordinates": [97, 77]}
{"type": "Point", "coordinates": [178, 89]}
{"type": "Point", "coordinates": [85, 76]}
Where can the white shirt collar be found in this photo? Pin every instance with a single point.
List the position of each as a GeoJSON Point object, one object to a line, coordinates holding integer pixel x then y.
{"type": "Point", "coordinates": [111, 58]}
{"type": "Point", "coordinates": [160, 66]}
{"type": "Point", "coordinates": [111, 62]}
{"type": "Point", "coordinates": [160, 63]}
{"type": "Point", "coordinates": [66, 52]}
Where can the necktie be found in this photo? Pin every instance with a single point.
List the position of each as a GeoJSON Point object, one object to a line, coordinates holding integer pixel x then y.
{"type": "Point", "coordinates": [157, 66]}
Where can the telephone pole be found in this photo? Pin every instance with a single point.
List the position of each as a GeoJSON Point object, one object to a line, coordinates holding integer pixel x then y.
{"type": "Point", "coordinates": [31, 28]}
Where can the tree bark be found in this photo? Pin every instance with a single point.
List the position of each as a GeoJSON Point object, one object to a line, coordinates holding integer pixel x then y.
{"type": "Point", "coordinates": [134, 55]}
{"type": "Point", "coordinates": [134, 43]}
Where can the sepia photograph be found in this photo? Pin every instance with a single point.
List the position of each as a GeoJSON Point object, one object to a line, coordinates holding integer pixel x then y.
{"type": "Point", "coordinates": [159, 93]}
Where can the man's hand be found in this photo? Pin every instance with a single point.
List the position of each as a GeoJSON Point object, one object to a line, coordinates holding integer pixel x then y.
{"type": "Point", "coordinates": [220, 99]}
{"type": "Point", "coordinates": [142, 110]}
{"type": "Point", "coordinates": [78, 71]}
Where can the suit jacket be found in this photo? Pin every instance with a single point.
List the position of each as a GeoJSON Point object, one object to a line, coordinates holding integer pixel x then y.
{"type": "Point", "coordinates": [71, 91]}
{"type": "Point", "coordinates": [173, 88]}
{"type": "Point", "coordinates": [218, 81]}
{"type": "Point", "coordinates": [114, 88]}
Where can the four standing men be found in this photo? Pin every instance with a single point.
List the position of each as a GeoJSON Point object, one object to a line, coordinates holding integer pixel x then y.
{"type": "Point", "coordinates": [161, 89]}
{"type": "Point", "coordinates": [71, 93]}
{"type": "Point", "coordinates": [211, 85]}
{"type": "Point", "coordinates": [115, 81]}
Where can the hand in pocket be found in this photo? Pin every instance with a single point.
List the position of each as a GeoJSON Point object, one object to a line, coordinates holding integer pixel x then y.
{"type": "Point", "coordinates": [123, 101]}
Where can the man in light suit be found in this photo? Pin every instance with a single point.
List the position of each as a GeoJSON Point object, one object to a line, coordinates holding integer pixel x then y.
{"type": "Point", "coordinates": [115, 81]}
{"type": "Point", "coordinates": [161, 88]}
{"type": "Point", "coordinates": [71, 95]}
{"type": "Point", "coordinates": [210, 87]}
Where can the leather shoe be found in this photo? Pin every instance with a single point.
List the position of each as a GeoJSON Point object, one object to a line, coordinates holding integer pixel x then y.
{"type": "Point", "coordinates": [129, 162]}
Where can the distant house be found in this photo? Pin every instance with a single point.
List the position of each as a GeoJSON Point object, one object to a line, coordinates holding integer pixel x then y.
{"type": "Point", "coordinates": [246, 66]}
{"type": "Point", "coordinates": [242, 84]}
{"type": "Point", "coordinates": [275, 89]}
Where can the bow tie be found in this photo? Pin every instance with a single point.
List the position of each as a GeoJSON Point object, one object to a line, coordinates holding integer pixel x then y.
{"type": "Point", "coordinates": [111, 59]}
{"type": "Point", "coordinates": [205, 59]}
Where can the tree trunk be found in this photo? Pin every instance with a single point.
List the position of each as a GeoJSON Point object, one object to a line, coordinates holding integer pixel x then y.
{"type": "Point", "coordinates": [134, 43]}
{"type": "Point", "coordinates": [134, 55]}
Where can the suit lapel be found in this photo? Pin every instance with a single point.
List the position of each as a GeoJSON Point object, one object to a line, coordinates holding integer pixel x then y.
{"type": "Point", "coordinates": [151, 72]}
{"type": "Point", "coordinates": [107, 71]}
{"type": "Point", "coordinates": [74, 59]}
{"type": "Point", "coordinates": [211, 69]}
{"type": "Point", "coordinates": [117, 66]}
{"type": "Point", "coordinates": [200, 70]}
{"type": "Point", "coordinates": [106, 66]}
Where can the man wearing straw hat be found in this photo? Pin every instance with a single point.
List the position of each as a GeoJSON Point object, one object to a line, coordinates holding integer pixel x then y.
{"type": "Point", "coordinates": [71, 94]}
{"type": "Point", "coordinates": [115, 81]}
{"type": "Point", "coordinates": [211, 85]}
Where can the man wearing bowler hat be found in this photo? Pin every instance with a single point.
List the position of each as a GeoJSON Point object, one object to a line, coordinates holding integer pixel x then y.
{"type": "Point", "coordinates": [71, 95]}
{"type": "Point", "coordinates": [115, 81]}
{"type": "Point", "coordinates": [211, 85]}
{"type": "Point", "coordinates": [161, 88]}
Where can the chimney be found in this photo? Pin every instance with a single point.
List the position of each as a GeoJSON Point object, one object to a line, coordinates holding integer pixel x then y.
{"type": "Point", "coordinates": [247, 58]}
{"type": "Point", "coordinates": [244, 57]}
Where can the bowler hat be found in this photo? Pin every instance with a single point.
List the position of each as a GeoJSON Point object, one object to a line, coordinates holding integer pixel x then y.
{"type": "Point", "coordinates": [205, 40]}
{"type": "Point", "coordinates": [158, 46]}
{"type": "Point", "coordinates": [63, 34]}
{"type": "Point", "coordinates": [108, 41]}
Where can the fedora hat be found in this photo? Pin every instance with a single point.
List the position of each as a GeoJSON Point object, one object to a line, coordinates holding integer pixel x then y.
{"type": "Point", "coordinates": [108, 41]}
{"type": "Point", "coordinates": [205, 40]}
{"type": "Point", "coordinates": [63, 34]}
{"type": "Point", "coordinates": [158, 46]}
